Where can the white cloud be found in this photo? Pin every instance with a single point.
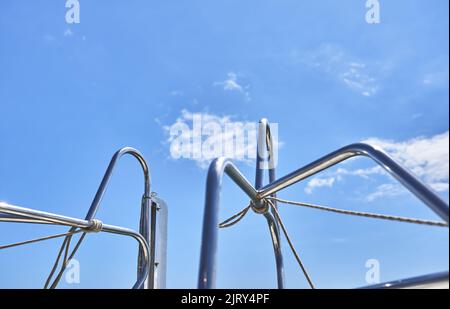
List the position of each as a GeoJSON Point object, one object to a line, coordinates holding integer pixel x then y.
{"type": "Point", "coordinates": [201, 137]}
{"type": "Point", "coordinates": [384, 190]}
{"type": "Point", "coordinates": [358, 80]}
{"type": "Point", "coordinates": [68, 32]}
{"type": "Point", "coordinates": [361, 172]}
{"type": "Point", "coordinates": [319, 182]}
{"type": "Point", "coordinates": [231, 84]}
{"type": "Point", "coordinates": [176, 93]}
{"type": "Point", "coordinates": [331, 59]}
{"type": "Point", "coordinates": [436, 79]}
{"type": "Point", "coordinates": [427, 158]}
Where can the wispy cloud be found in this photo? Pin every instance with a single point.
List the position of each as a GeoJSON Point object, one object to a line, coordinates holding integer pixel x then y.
{"type": "Point", "coordinates": [232, 84]}
{"type": "Point", "coordinates": [428, 158]}
{"type": "Point", "coordinates": [201, 137]}
{"type": "Point", "coordinates": [436, 79]}
{"type": "Point", "coordinates": [176, 93]}
{"type": "Point", "coordinates": [361, 76]}
{"type": "Point", "coordinates": [358, 80]}
{"type": "Point", "coordinates": [319, 182]}
{"type": "Point", "coordinates": [68, 32]}
{"type": "Point", "coordinates": [385, 190]}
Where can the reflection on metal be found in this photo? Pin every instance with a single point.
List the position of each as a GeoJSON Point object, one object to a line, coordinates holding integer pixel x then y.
{"type": "Point", "coordinates": [160, 243]}
{"type": "Point", "coordinates": [87, 225]}
{"type": "Point", "coordinates": [258, 194]}
{"type": "Point", "coordinates": [265, 158]}
{"type": "Point", "coordinates": [207, 274]}
{"type": "Point", "coordinates": [152, 210]}
{"type": "Point", "coordinates": [431, 281]}
{"type": "Point", "coordinates": [409, 181]}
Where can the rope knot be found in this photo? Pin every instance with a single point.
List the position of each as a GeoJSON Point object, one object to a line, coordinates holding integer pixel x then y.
{"type": "Point", "coordinates": [260, 206]}
{"type": "Point", "coordinates": [95, 225]}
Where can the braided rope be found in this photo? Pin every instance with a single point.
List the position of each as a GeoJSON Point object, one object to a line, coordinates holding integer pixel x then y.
{"type": "Point", "coordinates": [240, 215]}
{"type": "Point", "coordinates": [31, 241]}
{"type": "Point", "coordinates": [294, 251]}
{"type": "Point", "coordinates": [362, 214]}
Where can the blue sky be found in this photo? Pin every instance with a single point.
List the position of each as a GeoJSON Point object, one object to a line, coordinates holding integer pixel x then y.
{"type": "Point", "coordinates": [72, 94]}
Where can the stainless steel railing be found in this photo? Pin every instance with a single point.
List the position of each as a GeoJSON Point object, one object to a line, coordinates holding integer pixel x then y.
{"type": "Point", "coordinates": [257, 195]}
{"type": "Point", "coordinates": [152, 227]}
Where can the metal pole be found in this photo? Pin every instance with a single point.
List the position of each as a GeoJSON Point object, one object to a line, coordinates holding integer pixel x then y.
{"type": "Point", "coordinates": [84, 224]}
{"type": "Point", "coordinates": [430, 281]}
{"type": "Point", "coordinates": [146, 226]}
{"type": "Point", "coordinates": [265, 158]}
{"type": "Point", "coordinates": [145, 206]}
{"type": "Point", "coordinates": [409, 181]}
{"type": "Point", "coordinates": [208, 252]}
{"type": "Point", "coordinates": [161, 243]}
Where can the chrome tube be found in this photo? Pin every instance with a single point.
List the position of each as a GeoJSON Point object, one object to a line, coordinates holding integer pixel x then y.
{"type": "Point", "coordinates": [415, 186]}
{"type": "Point", "coordinates": [42, 216]}
{"type": "Point", "coordinates": [104, 184]}
{"type": "Point", "coordinates": [51, 218]}
{"type": "Point", "coordinates": [19, 219]}
{"type": "Point", "coordinates": [147, 225]}
{"type": "Point", "coordinates": [265, 153]}
{"type": "Point", "coordinates": [276, 243]}
{"type": "Point", "coordinates": [430, 281]}
{"type": "Point", "coordinates": [208, 251]}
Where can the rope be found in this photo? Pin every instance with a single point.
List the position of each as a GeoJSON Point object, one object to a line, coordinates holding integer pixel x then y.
{"type": "Point", "coordinates": [95, 226]}
{"type": "Point", "coordinates": [67, 258]}
{"type": "Point", "coordinates": [26, 242]}
{"type": "Point", "coordinates": [55, 265]}
{"type": "Point", "coordinates": [240, 215]}
{"type": "Point", "coordinates": [272, 200]}
{"type": "Point", "coordinates": [297, 257]}
{"type": "Point", "coordinates": [362, 214]}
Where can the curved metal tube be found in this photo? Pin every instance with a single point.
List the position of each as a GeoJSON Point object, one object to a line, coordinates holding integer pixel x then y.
{"type": "Point", "coordinates": [45, 217]}
{"type": "Point", "coordinates": [265, 147]}
{"type": "Point", "coordinates": [147, 214]}
{"type": "Point", "coordinates": [415, 186]}
{"type": "Point", "coordinates": [147, 226]}
{"type": "Point", "coordinates": [104, 184]}
{"type": "Point", "coordinates": [430, 281]}
{"type": "Point", "coordinates": [207, 272]}
{"type": "Point", "coordinates": [208, 252]}
{"type": "Point", "coordinates": [148, 233]}
{"type": "Point", "coordinates": [144, 248]}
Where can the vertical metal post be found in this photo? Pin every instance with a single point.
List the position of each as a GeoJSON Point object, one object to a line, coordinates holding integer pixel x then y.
{"type": "Point", "coordinates": [160, 243]}
{"type": "Point", "coordinates": [208, 251]}
{"type": "Point", "coordinates": [265, 159]}
{"type": "Point", "coordinates": [147, 229]}
{"type": "Point", "coordinates": [147, 216]}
